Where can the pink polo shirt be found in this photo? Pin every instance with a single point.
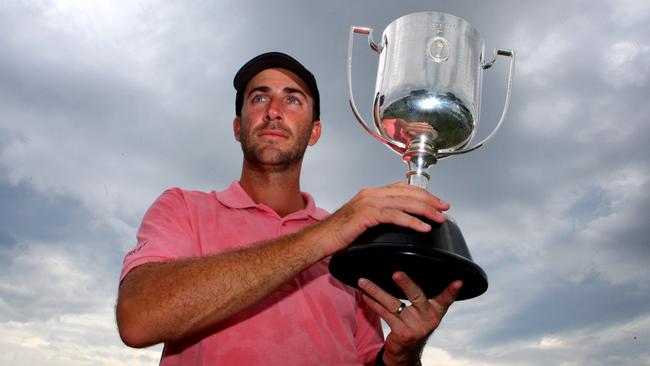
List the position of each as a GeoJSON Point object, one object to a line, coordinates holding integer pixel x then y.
{"type": "Point", "coordinates": [311, 320]}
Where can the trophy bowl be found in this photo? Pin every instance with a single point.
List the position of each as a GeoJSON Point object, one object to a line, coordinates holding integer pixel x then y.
{"type": "Point", "coordinates": [423, 111]}
{"type": "Point", "coordinates": [426, 107]}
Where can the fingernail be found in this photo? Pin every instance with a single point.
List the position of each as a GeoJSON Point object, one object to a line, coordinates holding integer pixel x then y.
{"type": "Point", "coordinates": [425, 226]}
{"type": "Point", "coordinates": [455, 288]}
{"type": "Point", "coordinates": [398, 276]}
{"type": "Point", "coordinates": [362, 282]}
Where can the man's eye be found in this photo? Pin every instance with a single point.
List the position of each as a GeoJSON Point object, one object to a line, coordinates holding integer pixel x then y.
{"type": "Point", "coordinates": [293, 100]}
{"type": "Point", "coordinates": [258, 99]}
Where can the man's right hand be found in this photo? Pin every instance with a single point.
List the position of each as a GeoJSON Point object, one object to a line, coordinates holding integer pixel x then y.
{"type": "Point", "coordinates": [397, 204]}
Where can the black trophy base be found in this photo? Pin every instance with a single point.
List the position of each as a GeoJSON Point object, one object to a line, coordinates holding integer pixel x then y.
{"type": "Point", "coordinates": [433, 260]}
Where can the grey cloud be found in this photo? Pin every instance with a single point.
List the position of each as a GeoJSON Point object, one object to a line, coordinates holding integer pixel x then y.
{"type": "Point", "coordinates": [563, 306]}
{"type": "Point", "coordinates": [26, 214]}
{"type": "Point", "coordinates": [55, 259]}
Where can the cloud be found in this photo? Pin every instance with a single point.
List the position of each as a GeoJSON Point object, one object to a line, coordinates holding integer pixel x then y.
{"type": "Point", "coordinates": [630, 14]}
{"type": "Point", "coordinates": [42, 280]}
{"type": "Point", "coordinates": [622, 343]}
{"type": "Point", "coordinates": [79, 339]}
{"type": "Point", "coordinates": [625, 64]}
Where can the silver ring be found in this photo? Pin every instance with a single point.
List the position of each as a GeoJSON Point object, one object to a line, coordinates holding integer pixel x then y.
{"type": "Point", "coordinates": [401, 308]}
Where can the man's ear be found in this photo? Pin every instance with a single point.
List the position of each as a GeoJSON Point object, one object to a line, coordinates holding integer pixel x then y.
{"type": "Point", "coordinates": [236, 127]}
{"type": "Point", "coordinates": [315, 133]}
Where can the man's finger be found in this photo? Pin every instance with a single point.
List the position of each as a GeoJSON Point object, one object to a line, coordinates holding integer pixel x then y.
{"type": "Point", "coordinates": [382, 297]}
{"type": "Point", "coordinates": [448, 296]}
{"type": "Point", "coordinates": [412, 291]}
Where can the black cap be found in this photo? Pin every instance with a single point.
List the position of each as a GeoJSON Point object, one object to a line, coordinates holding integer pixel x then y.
{"type": "Point", "coordinates": [271, 60]}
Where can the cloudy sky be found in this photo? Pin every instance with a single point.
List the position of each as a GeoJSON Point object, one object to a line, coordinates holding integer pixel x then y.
{"type": "Point", "coordinates": [104, 104]}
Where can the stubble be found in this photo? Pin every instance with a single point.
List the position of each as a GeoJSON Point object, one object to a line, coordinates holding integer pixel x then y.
{"type": "Point", "coordinates": [271, 154]}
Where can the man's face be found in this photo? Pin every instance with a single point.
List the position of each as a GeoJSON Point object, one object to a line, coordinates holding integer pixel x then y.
{"type": "Point", "coordinates": [276, 124]}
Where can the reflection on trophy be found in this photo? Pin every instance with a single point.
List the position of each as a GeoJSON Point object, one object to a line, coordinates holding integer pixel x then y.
{"type": "Point", "coordinates": [426, 107]}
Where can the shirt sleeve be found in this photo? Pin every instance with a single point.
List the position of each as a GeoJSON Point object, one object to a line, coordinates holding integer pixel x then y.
{"type": "Point", "coordinates": [369, 336]}
{"type": "Point", "coordinates": [165, 233]}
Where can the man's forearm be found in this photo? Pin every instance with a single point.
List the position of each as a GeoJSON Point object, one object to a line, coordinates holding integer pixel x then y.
{"type": "Point", "coordinates": [161, 302]}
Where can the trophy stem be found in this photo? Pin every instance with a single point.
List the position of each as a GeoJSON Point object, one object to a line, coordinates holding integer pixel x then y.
{"type": "Point", "coordinates": [420, 155]}
{"type": "Point", "coordinates": [418, 180]}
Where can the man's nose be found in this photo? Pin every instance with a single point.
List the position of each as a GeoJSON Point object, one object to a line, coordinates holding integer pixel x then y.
{"type": "Point", "coordinates": [274, 109]}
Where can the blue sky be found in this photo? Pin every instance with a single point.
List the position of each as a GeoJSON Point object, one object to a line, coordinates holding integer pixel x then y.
{"type": "Point", "coordinates": [105, 104]}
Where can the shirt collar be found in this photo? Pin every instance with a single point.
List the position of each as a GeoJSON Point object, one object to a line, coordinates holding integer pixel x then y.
{"type": "Point", "coordinates": [236, 197]}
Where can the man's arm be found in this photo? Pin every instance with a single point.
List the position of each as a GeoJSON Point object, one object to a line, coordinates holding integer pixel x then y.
{"type": "Point", "coordinates": [161, 302]}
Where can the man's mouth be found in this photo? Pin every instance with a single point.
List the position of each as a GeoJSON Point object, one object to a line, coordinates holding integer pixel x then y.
{"type": "Point", "coordinates": [273, 134]}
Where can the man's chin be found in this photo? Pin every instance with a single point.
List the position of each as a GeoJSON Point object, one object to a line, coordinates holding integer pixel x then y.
{"type": "Point", "coordinates": [274, 158]}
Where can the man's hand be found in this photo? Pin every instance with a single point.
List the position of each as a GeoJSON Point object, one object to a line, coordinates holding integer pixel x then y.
{"type": "Point", "coordinates": [411, 325]}
{"type": "Point", "coordinates": [397, 204]}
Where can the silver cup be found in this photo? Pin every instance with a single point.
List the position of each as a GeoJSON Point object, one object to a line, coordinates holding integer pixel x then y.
{"type": "Point", "coordinates": [426, 107]}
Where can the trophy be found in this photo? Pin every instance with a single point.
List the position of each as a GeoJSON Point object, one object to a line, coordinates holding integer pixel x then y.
{"type": "Point", "coordinates": [426, 107]}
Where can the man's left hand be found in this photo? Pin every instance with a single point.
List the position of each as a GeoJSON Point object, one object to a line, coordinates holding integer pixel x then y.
{"type": "Point", "coordinates": [410, 325]}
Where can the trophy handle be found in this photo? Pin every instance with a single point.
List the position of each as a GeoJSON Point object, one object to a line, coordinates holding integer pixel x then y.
{"type": "Point", "coordinates": [396, 146]}
{"type": "Point", "coordinates": [511, 72]}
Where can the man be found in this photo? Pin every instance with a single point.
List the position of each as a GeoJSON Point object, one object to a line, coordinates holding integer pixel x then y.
{"type": "Point", "coordinates": [240, 276]}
